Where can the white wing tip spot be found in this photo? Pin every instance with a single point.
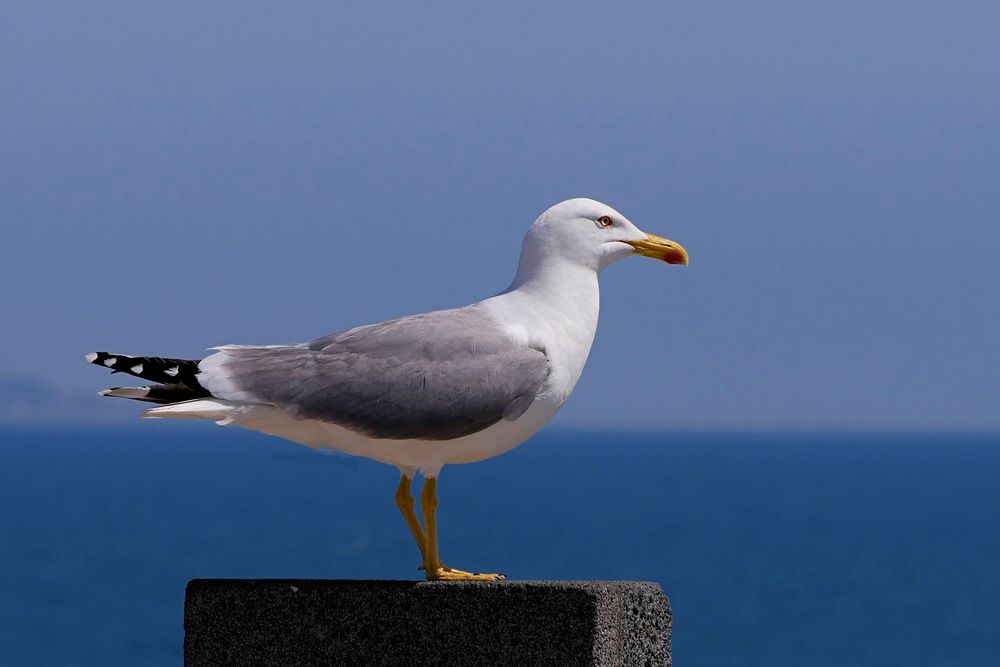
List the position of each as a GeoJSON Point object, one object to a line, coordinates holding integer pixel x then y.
{"type": "Point", "coordinates": [91, 357]}
{"type": "Point", "coordinates": [136, 369]}
{"type": "Point", "coordinates": [110, 361]}
{"type": "Point", "coordinates": [173, 371]}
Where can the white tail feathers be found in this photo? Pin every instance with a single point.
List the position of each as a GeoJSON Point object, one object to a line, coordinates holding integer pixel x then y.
{"type": "Point", "coordinates": [199, 408]}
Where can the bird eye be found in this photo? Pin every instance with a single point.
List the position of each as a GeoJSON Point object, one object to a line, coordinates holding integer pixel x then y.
{"type": "Point", "coordinates": [604, 221]}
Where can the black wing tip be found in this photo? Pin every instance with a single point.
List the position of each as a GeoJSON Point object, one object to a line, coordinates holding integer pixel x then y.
{"type": "Point", "coordinates": [100, 358]}
{"type": "Point", "coordinates": [97, 357]}
{"type": "Point", "coordinates": [175, 377]}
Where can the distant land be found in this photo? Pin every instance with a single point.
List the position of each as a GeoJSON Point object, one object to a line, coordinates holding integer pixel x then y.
{"type": "Point", "coordinates": [25, 400]}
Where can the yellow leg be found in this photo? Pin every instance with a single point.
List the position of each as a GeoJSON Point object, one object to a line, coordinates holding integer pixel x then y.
{"type": "Point", "coordinates": [436, 571]}
{"type": "Point", "coordinates": [404, 501]}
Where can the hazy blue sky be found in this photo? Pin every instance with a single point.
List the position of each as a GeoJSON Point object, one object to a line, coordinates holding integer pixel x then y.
{"type": "Point", "coordinates": [177, 177]}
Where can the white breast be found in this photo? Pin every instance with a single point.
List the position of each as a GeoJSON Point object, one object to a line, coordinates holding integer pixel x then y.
{"type": "Point", "coordinates": [558, 316]}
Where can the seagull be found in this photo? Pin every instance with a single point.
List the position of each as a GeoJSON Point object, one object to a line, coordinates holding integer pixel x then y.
{"type": "Point", "coordinates": [419, 392]}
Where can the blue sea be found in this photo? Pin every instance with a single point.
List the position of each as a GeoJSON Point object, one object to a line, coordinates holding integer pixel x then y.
{"type": "Point", "coordinates": [774, 548]}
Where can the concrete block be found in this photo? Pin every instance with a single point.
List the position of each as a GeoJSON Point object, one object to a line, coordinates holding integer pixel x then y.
{"type": "Point", "coordinates": [339, 622]}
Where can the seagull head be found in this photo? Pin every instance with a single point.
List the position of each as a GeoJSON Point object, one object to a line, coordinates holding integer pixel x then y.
{"type": "Point", "coordinates": [588, 233]}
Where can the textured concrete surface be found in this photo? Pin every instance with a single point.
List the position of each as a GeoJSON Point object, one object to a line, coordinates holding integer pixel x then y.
{"type": "Point", "coordinates": [320, 622]}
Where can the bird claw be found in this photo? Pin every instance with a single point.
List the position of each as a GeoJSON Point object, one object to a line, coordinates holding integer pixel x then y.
{"type": "Point", "coordinates": [443, 573]}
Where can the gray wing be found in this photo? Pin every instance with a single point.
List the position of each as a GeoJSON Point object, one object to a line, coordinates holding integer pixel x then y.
{"type": "Point", "coordinates": [435, 376]}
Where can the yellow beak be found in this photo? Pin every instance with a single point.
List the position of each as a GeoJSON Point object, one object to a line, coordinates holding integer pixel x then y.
{"type": "Point", "coordinates": [669, 251]}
